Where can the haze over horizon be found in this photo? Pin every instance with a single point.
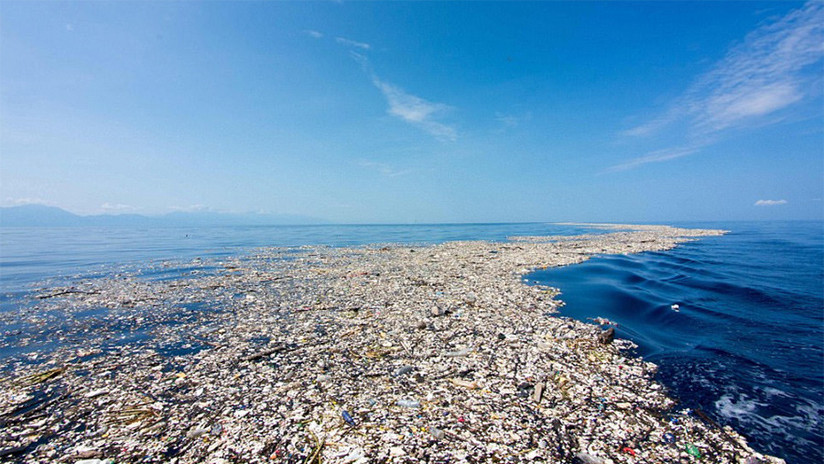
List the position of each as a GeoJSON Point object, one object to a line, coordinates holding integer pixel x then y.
{"type": "Point", "coordinates": [416, 112]}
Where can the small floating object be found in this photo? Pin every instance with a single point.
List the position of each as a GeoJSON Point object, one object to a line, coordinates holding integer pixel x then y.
{"type": "Point", "coordinates": [437, 433]}
{"type": "Point", "coordinates": [692, 450]}
{"type": "Point", "coordinates": [629, 451]}
{"type": "Point", "coordinates": [96, 393]}
{"type": "Point", "coordinates": [408, 403]}
{"type": "Point", "coordinates": [348, 418]}
{"type": "Point", "coordinates": [603, 321]}
{"type": "Point", "coordinates": [675, 308]}
{"type": "Point", "coordinates": [458, 354]}
{"type": "Point", "coordinates": [402, 371]}
{"type": "Point", "coordinates": [669, 438]}
{"type": "Point", "coordinates": [464, 384]}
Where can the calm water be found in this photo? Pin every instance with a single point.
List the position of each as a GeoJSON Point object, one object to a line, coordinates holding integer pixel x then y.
{"type": "Point", "coordinates": [31, 254]}
{"type": "Point", "coordinates": [747, 344]}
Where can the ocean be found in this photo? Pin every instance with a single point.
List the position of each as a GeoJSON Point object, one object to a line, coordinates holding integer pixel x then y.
{"type": "Point", "coordinates": [746, 344]}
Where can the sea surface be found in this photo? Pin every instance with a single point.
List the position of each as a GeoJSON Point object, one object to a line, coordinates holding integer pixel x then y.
{"type": "Point", "coordinates": [746, 344]}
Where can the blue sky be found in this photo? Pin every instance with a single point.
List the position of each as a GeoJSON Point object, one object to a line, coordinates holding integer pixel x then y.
{"type": "Point", "coordinates": [416, 112]}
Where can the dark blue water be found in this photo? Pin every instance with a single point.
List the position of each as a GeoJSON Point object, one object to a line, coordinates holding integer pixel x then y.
{"type": "Point", "coordinates": [747, 343]}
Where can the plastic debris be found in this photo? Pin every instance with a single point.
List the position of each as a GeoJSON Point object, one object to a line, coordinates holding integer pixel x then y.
{"type": "Point", "coordinates": [409, 403]}
{"type": "Point", "coordinates": [459, 353]}
{"type": "Point", "coordinates": [348, 418]}
{"type": "Point", "coordinates": [538, 394]}
{"type": "Point", "coordinates": [586, 458]}
{"type": "Point", "coordinates": [606, 337]}
{"type": "Point", "coordinates": [464, 384]}
{"type": "Point", "coordinates": [197, 432]}
{"type": "Point", "coordinates": [443, 351]}
{"type": "Point", "coordinates": [692, 450]}
{"type": "Point", "coordinates": [402, 371]}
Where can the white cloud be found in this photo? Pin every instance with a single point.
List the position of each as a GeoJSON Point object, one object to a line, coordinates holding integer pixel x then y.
{"type": "Point", "coordinates": [314, 34]}
{"type": "Point", "coordinates": [117, 207]}
{"type": "Point", "coordinates": [772, 69]}
{"type": "Point", "coordinates": [352, 43]}
{"type": "Point", "coordinates": [763, 74]}
{"type": "Point", "coordinates": [410, 108]}
{"type": "Point", "coordinates": [383, 168]}
{"type": "Point", "coordinates": [416, 110]}
{"type": "Point", "coordinates": [653, 157]}
{"type": "Point", "coordinates": [510, 121]}
{"type": "Point", "coordinates": [507, 120]}
{"type": "Point", "coordinates": [24, 201]}
{"type": "Point", "coordinates": [770, 202]}
{"type": "Point", "coordinates": [192, 208]}
{"type": "Point", "coordinates": [653, 126]}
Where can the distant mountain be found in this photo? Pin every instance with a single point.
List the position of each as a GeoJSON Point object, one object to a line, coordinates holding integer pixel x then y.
{"type": "Point", "coordinates": [49, 216]}
{"type": "Point", "coordinates": [37, 215]}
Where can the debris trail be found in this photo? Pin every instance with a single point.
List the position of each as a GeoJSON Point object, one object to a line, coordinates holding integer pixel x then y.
{"type": "Point", "coordinates": [434, 354]}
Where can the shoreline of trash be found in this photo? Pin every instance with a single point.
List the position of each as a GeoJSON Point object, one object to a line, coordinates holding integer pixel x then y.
{"type": "Point", "coordinates": [436, 353]}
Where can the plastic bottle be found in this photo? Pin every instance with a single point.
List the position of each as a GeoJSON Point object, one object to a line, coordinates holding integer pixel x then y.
{"type": "Point", "coordinates": [347, 418]}
{"type": "Point", "coordinates": [409, 403]}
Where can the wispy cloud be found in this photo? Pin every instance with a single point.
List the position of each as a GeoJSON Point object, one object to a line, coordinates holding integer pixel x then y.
{"type": "Point", "coordinates": [415, 110]}
{"type": "Point", "coordinates": [191, 208]}
{"type": "Point", "coordinates": [384, 169]}
{"type": "Point", "coordinates": [509, 121]}
{"type": "Point", "coordinates": [653, 157]}
{"type": "Point", "coordinates": [353, 43]}
{"type": "Point", "coordinates": [117, 207]}
{"type": "Point", "coordinates": [772, 69]}
{"type": "Point", "coordinates": [24, 201]}
{"type": "Point", "coordinates": [312, 33]}
{"type": "Point", "coordinates": [770, 202]}
{"type": "Point", "coordinates": [654, 125]}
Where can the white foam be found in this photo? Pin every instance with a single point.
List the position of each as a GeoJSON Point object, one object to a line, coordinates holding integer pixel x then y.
{"type": "Point", "coordinates": [774, 392]}
{"type": "Point", "coordinates": [742, 408]}
{"type": "Point", "coordinates": [746, 410]}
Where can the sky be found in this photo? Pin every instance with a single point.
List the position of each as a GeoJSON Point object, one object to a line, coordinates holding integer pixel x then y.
{"type": "Point", "coordinates": [411, 112]}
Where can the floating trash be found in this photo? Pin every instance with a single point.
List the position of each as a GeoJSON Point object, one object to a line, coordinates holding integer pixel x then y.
{"type": "Point", "coordinates": [348, 418]}
{"type": "Point", "coordinates": [441, 352]}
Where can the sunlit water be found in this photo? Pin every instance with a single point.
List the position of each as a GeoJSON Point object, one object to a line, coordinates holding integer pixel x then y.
{"type": "Point", "coordinates": [746, 346]}
{"type": "Point", "coordinates": [747, 342]}
{"type": "Point", "coordinates": [31, 254]}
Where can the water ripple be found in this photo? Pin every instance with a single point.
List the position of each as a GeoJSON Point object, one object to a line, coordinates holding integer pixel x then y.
{"type": "Point", "coordinates": [746, 342]}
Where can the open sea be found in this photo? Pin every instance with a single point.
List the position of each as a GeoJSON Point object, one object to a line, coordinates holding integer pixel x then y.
{"type": "Point", "coordinates": [746, 344]}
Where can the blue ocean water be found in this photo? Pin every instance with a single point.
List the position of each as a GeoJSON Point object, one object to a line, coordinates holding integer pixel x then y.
{"type": "Point", "coordinates": [30, 254]}
{"type": "Point", "coordinates": [35, 258]}
{"type": "Point", "coordinates": [746, 345]}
